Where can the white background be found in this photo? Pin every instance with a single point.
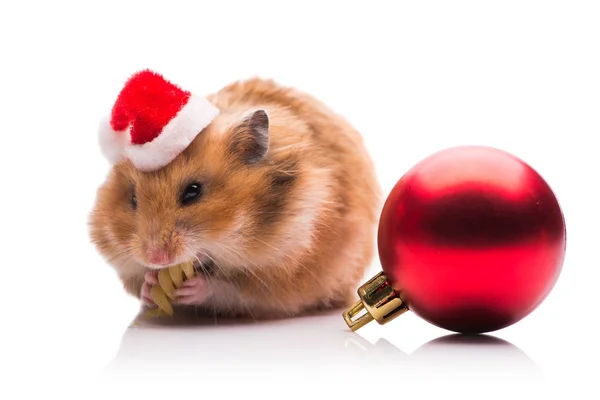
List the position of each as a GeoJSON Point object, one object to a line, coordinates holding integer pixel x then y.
{"type": "Point", "coordinates": [413, 77]}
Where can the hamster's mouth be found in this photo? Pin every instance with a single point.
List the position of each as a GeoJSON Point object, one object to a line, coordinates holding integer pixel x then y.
{"type": "Point", "coordinates": [202, 264]}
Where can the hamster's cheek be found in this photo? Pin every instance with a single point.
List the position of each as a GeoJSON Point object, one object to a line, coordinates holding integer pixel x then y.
{"type": "Point", "coordinates": [224, 223]}
{"type": "Point", "coordinates": [123, 231]}
{"type": "Point", "coordinates": [121, 221]}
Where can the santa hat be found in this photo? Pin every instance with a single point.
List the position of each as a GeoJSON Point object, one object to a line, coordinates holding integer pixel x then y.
{"type": "Point", "coordinates": [153, 121]}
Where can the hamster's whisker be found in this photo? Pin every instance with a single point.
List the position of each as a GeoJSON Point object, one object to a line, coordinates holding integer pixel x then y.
{"type": "Point", "coordinates": [252, 275]}
{"type": "Point", "coordinates": [249, 271]}
{"type": "Point", "coordinates": [296, 262]}
{"type": "Point", "coordinates": [194, 254]}
{"type": "Point", "coordinates": [126, 249]}
{"type": "Point", "coordinates": [207, 256]}
{"type": "Point", "coordinates": [232, 251]}
{"type": "Point", "coordinates": [129, 258]}
{"type": "Point", "coordinates": [231, 281]}
{"type": "Point", "coordinates": [202, 230]}
{"type": "Point", "coordinates": [122, 253]}
{"type": "Point", "coordinates": [236, 253]}
{"type": "Point", "coordinates": [198, 230]}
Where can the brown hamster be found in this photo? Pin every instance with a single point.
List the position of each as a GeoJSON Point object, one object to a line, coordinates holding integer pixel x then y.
{"type": "Point", "coordinates": [277, 201]}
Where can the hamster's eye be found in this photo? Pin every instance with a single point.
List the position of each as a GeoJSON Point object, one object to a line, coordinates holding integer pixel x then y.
{"type": "Point", "coordinates": [133, 199]}
{"type": "Point", "coordinates": [191, 193]}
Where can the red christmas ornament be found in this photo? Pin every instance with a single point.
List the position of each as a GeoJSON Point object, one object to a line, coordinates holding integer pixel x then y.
{"type": "Point", "coordinates": [471, 239]}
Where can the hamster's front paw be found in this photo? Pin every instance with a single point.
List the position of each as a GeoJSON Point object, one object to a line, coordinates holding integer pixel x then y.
{"type": "Point", "coordinates": [150, 279]}
{"type": "Point", "coordinates": [192, 292]}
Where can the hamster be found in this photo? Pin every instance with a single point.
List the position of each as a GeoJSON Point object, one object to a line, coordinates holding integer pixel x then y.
{"type": "Point", "coordinates": [276, 202]}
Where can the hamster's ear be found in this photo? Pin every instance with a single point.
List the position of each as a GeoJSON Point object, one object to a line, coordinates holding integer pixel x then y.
{"type": "Point", "coordinates": [250, 138]}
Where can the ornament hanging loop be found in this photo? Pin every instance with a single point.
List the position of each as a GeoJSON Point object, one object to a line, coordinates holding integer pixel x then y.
{"type": "Point", "coordinates": [380, 301]}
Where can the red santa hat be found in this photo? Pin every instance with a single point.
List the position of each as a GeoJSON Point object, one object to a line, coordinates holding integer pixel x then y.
{"type": "Point", "coordinates": [153, 121]}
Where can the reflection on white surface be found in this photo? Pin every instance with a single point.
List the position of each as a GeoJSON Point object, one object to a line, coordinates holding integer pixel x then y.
{"type": "Point", "coordinates": [480, 356]}
{"type": "Point", "coordinates": [309, 347]}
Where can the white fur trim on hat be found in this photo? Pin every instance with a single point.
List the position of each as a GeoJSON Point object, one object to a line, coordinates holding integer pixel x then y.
{"type": "Point", "coordinates": [112, 143]}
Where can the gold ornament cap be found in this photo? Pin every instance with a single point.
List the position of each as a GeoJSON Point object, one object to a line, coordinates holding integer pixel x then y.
{"type": "Point", "coordinates": [380, 301]}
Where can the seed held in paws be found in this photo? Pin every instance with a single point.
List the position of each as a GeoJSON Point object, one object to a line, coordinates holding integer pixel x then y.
{"type": "Point", "coordinates": [164, 285]}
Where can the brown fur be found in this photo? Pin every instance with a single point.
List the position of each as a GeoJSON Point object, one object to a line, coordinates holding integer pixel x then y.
{"type": "Point", "coordinates": [291, 233]}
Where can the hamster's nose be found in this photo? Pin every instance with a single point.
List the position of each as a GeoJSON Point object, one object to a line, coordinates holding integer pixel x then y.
{"type": "Point", "coordinates": [159, 256]}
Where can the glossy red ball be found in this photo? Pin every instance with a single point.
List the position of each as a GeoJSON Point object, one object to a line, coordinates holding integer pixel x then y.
{"type": "Point", "coordinates": [472, 238]}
